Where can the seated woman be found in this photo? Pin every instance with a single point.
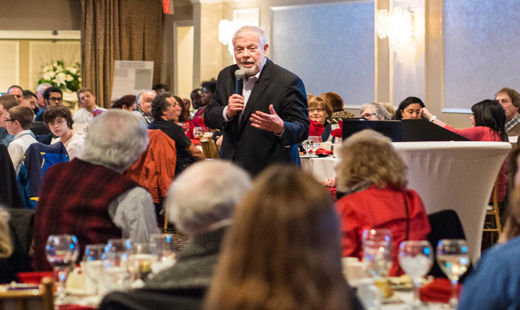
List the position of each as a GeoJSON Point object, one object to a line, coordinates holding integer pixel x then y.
{"type": "Point", "coordinates": [166, 111]}
{"type": "Point", "coordinates": [374, 112]}
{"type": "Point", "coordinates": [409, 108]}
{"type": "Point", "coordinates": [373, 176]}
{"type": "Point", "coordinates": [488, 122]}
{"type": "Point", "coordinates": [319, 115]}
{"type": "Point", "coordinates": [282, 251]}
{"type": "Point", "coordinates": [184, 118]}
{"type": "Point", "coordinates": [124, 103]}
{"type": "Point", "coordinates": [59, 120]}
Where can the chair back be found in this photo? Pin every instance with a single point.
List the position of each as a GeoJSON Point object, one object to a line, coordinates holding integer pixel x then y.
{"type": "Point", "coordinates": [30, 299]}
{"type": "Point", "coordinates": [209, 148]}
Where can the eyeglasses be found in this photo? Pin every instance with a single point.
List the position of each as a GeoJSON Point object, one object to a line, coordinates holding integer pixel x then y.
{"type": "Point", "coordinates": [316, 110]}
{"type": "Point", "coordinates": [367, 115]}
{"type": "Point", "coordinates": [55, 99]}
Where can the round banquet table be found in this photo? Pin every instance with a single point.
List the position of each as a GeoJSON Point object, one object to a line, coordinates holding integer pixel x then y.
{"type": "Point", "coordinates": [447, 175]}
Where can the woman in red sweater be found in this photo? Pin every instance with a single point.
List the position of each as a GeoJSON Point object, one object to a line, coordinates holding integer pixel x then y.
{"type": "Point", "coordinates": [488, 120]}
{"type": "Point", "coordinates": [373, 176]}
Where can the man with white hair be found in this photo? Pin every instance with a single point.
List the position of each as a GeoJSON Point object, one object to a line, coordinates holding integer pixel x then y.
{"type": "Point", "coordinates": [90, 197]}
{"type": "Point", "coordinates": [143, 105]}
{"type": "Point", "coordinates": [261, 107]}
{"type": "Point", "coordinates": [201, 206]}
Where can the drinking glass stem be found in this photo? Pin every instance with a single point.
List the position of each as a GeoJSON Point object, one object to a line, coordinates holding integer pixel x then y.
{"type": "Point", "coordinates": [416, 302]}
{"type": "Point", "coordinates": [454, 298]}
{"type": "Point", "coordinates": [60, 276]}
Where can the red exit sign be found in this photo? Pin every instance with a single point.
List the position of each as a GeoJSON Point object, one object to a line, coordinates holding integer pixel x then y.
{"type": "Point", "coordinates": [167, 6]}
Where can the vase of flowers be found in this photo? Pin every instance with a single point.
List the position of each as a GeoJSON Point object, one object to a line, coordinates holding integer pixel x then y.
{"type": "Point", "coordinates": [65, 77]}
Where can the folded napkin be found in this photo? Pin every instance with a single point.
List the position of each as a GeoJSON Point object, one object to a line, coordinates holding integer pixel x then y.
{"type": "Point", "coordinates": [439, 290]}
{"type": "Point", "coordinates": [323, 152]}
{"type": "Point", "coordinates": [33, 277]}
{"type": "Point", "coordinates": [338, 132]}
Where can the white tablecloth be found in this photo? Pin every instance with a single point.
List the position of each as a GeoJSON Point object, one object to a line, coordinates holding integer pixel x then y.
{"type": "Point", "coordinates": [447, 175]}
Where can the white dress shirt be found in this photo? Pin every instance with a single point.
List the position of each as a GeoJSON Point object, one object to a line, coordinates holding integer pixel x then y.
{"type": "Point", "coordinates": [18, 146]}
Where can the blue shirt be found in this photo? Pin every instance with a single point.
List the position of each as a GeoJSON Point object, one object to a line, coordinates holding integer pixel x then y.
{"type": "Point", "coordinates": [5, 138]}
{"type": "Point", "coordinates": [495, 283]}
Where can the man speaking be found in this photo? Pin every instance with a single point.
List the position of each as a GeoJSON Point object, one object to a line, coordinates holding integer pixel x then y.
{"type": "Point", "coordinates": [260, 107]}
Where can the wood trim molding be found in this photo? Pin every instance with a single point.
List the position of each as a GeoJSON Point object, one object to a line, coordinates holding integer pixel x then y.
{"type": "Point", "coordinates": [39, 34]}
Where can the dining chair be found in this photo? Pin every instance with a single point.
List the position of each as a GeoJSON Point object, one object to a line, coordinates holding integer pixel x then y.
{"type": "Point", "coordinates": [40, 298]}
{"type": "Point", "coordinates": [493, 224]}
{"type": "Point", "coordinates": [209, 148]}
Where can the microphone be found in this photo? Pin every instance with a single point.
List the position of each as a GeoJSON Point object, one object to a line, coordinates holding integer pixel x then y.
{"type": "Point", "coordinates": [240, 75]}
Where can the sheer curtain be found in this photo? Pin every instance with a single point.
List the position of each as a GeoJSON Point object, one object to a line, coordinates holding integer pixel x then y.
{"type": "Point", "coordinates": [118, 30]}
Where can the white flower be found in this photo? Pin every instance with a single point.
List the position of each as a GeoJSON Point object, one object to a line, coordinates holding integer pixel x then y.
{"type": "Point", "coordinates": [60, 78]}
{"type": "Point", "coordinates": [73, 70]}
{"type": "Point", "coordinates": [48, 75]}
{"type": "Point", "coordinates": [69, 77]}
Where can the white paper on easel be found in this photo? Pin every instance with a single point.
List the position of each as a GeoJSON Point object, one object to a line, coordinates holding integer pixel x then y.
{"type": "Point", "coordinates": [130, 77]}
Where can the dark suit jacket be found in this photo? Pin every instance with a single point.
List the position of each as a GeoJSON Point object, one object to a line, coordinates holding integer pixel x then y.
{"type": "Point", "coordinates": [255, 149]}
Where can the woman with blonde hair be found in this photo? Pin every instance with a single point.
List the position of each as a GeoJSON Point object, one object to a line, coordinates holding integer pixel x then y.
{"type": "Point", "coordinates": [282, 250]}
{"type": "Point", "coordinates": [320, 113]}
{"type": "Point", "coordinates": [373, 177]}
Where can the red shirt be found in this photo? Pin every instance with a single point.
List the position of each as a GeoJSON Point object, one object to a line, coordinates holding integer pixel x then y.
{"type": "Point", "coordinates": [381, 208]}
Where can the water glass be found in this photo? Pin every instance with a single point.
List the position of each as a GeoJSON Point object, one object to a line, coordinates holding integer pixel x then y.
{"type": "Point", "coordinates": [117, 275]}
{"type": "Point", "coordinates": [453, 258]}
{"type": "Point", "coordinates": [377, 251]}
{"type": "Point", "coordinates": [163, 251]}
{"type": "Point", "coordinates": [140, 261]}
{"type": "Point", "coordinates": [62, 252]}
{"type": "Point", "coordinates": [92, 266]}
{"type": "Point", "coordinates": [307, 145]}
{"type": "Point", "coordinates": [416, 259]}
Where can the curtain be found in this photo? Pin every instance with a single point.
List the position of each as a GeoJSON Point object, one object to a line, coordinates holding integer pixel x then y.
{"type": "Point", "coordinates": [118, 30]}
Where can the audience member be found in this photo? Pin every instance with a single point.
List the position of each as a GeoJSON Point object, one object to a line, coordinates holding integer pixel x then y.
{"type": "Point", "coordinates": [509, 99]}
{"type": "Point", "coordinates": [18, 123]}
{"type": "Point", "coordinates": [494, 282]}
{"type": "Point", "coordinates": [184, 118]}
{"type": "Point", "coordinates": [51, 96]}
{"type": "Point", "coordinates": [283, 249]}
{"type": "Point", "coordinates": [17, 92]}
{"type": "Point", "coordinates": [373, 177]}
{"type": "Point", "coordinates": [39, 92]}
{"type": "Point", "coordinates": [389, 107]}
{"type": "Point", "coordinates": [90, 197]}
{"type": "Point", "coordinates": [338, 111]}
{"type": "Point", "coordinates": [374, 111]}
{"type": "Point", "coordinates": [125, 103]}
{"type": "Point", "coordinates": [84, 116]}
{"type": "Point", "coordinates": [488, 122]}
{"type": "Point", "coordinates": [196, 96]}
{"type": "Point", "coordinates": [409, 108]}
{"type": "Point", "coordinates": [166, 111]}
{"type": "Point", "coordinates": [201, 206]}
{"type": "Point", "coordinates": [320, 113]}
{"type": "Point", "coordinates": [143, 105]}
{"type": "Point", "coordinates": [59, 120]}
{"type": "Point", "coordinates": [208, 88]}
{"type": "Point", "coordinates": [30, 100]}
{"type": "Point", "coordinates": [160, 88]}
{"type": "Point", "coordinates": [6, 103]}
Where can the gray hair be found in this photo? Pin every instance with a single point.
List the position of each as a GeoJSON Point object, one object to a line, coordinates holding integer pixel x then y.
{"type": "Point", "coordinates": [205, 195]}
{"type": "Point", "coordinates": [139, 97]}
{"type": "Point", "coordinates": [381, 112]}
{"type": "Point", "coordinates": [115, 140]}
{"type": "Point", "coordinates": [250, 29]}
{"type": "Point", "coordinates": [42, 87]}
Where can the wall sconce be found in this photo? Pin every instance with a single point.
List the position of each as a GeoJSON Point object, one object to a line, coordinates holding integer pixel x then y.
{"type": "Point", "coordinates": [226, 29]}
{"type": "Point", "coordinates": [404, 29]}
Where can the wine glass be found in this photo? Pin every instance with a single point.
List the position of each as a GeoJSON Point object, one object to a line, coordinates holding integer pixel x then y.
{"type": "Point", "coordinates": [307, 145]}
{"type": "Point", "coordinates": [377, 251]}
{"type": "Point", "coordinates": [416, 259]}
{"type": "Point", "coordinates": [453, 258]}
{"type": "Point", "coordinates": [62, 252]}
{"type": "Point", "coordinates": [92, 265]}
